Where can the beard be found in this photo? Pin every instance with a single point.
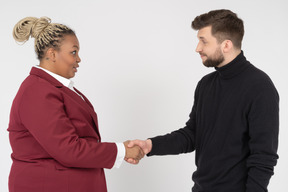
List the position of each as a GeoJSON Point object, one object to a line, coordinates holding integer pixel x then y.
{"type": "Point", "coordinates": [216, 59]}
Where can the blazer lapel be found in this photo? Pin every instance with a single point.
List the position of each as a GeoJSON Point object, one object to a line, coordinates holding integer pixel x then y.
{"type": "Point", "coordinates": [83, 103]}
{"type": "Point", "coordinates": [91, 109]}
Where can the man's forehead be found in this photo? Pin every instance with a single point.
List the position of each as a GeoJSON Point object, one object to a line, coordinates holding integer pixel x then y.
{"type": "Point", "coordinates": [204, 32]}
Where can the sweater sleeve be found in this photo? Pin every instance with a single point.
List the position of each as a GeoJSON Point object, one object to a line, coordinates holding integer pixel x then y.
{"type": "Point", "coordinates": [179, 141]}
{"type": "Point", "coordinates": [263, 122]}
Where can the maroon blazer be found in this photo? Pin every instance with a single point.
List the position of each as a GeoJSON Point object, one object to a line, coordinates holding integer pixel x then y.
{"type": "Point", "coordinates": [55, 139]}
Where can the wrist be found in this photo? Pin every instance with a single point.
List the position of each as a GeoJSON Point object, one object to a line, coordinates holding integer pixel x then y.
{"type": "Point", "coordinates": [149, 144]}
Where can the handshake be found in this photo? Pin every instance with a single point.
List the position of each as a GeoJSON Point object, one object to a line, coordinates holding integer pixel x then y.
{"type": "Point", "coordinates": [136, 150]}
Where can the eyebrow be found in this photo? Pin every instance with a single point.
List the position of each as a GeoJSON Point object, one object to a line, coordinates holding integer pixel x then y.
{"type": "Point", "coordinates": [76, 46]}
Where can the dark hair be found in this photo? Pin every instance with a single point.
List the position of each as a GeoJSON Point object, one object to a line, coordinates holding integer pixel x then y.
{"type": "Point", "coordinates": [225, 25]}
{"type": "Point", "coordinates": [46, 34]}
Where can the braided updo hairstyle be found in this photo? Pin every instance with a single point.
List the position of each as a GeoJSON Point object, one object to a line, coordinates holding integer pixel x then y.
{"type": "Point", "coordinates": [47, 35]}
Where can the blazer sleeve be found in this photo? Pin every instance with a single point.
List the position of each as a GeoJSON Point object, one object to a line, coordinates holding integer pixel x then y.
{"type": "Point", "coordinates": [42, 112]}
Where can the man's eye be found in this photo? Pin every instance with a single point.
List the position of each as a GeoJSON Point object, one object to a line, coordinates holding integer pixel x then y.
{"type": "Point", "coordinates": [74, 52]}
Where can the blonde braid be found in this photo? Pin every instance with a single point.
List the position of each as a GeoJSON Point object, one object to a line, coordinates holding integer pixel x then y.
{"type": "Point", "coordinates": [46, 34]}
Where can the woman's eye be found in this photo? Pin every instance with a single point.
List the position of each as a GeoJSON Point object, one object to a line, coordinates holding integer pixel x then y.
{"type": "Point", "coordinates": [74, 52]}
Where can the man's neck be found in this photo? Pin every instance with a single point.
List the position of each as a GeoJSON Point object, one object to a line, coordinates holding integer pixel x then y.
{"type": "Point", "coordinates": [230, 57]}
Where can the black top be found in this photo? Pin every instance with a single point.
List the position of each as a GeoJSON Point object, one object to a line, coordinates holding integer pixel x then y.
{"type": "Point", "coordinates": [233, 128]}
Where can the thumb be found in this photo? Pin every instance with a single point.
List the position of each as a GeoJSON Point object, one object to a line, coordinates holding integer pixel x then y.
{"type": "Point", "coordinates": [130, 144]}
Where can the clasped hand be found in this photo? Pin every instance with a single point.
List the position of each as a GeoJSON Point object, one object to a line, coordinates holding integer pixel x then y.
{"type": "Point", "coordinates": [136, 149]}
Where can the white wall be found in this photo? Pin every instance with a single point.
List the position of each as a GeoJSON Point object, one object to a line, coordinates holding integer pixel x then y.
{"type": "Point", "coordinates": [139, 69]}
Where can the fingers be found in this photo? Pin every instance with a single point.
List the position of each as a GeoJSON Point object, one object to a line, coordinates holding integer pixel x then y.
{"type": "Point", "coordinates": [132, 161]}
{"type": "Point", "coordinates": [141, 154]}
{"type": "Point", "coordinates": [136, 150]}
{"type": "Point", "coordinates": [146, 145]}
{"type": "Point", "coordinates": [133, 152]}
{"type": "Point", "coordinates": [140, 143]}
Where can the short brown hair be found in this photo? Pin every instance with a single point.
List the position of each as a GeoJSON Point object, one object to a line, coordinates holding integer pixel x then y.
{"type": "Point", "coordinates": [225, 25]}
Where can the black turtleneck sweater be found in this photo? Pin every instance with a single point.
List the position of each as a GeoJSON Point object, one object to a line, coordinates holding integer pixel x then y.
{"type": "Point", "coordinates": [233, 128]}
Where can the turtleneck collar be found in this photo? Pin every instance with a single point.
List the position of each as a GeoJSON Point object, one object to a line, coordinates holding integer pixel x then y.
{"type": "Point", "coordinates": [233, 68]}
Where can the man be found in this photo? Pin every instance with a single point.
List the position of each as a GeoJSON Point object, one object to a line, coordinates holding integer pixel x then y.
{"type": "Point", "coordinates": [234, 123]}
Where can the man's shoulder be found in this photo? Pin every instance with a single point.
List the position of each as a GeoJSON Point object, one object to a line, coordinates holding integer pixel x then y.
{"type": "Point", "coordinates": [209, 76]}
{"type": "Point", "coordinates": [258, 82]}
{"type": "Point", "coordinates": [256, 76]}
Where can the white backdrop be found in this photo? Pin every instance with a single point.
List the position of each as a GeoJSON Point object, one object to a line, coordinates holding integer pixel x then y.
{"type": "Point", "coordinates": [139, 69]}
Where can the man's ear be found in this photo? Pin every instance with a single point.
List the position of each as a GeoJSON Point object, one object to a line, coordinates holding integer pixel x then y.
{"type": "Point", "coordinates": [227, 46]}
{"type": "Point", "coordinates": [51, 54]}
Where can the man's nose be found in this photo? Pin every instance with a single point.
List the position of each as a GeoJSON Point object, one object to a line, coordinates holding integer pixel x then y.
{"type": "Point", "coordinates": [198, 48]}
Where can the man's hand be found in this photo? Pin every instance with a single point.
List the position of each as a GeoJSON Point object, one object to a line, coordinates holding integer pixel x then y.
{"type": "Point", "coordinates": [146, 146]}
{"type": "Point", "coordinates": [134, 153]}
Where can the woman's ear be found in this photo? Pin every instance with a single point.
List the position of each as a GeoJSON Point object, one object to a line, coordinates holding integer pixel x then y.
{"type": "Point", "coordinates": [51, 55]}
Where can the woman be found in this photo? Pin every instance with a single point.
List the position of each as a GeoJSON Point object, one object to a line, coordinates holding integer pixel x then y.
{"type": "Point", "coordinates": [53, 128]}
